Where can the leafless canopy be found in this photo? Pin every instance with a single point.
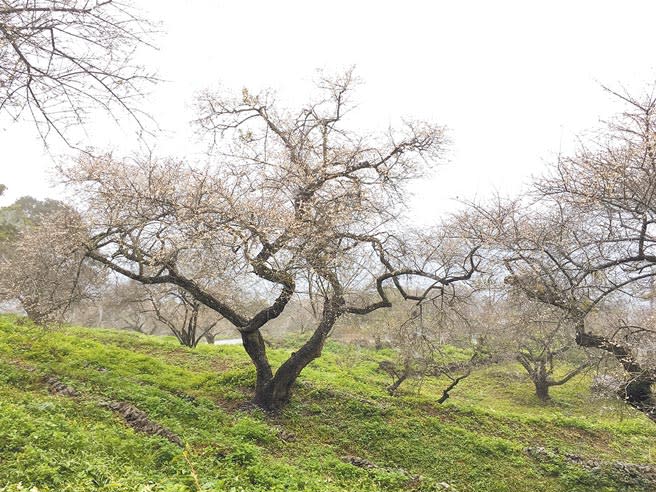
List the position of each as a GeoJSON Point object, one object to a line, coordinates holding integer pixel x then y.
{"type": "Point", "coordinates": [298, 205]}
{"type": "Point", "coordinates": [43, 268]}
{"type": "Point", "coordinates": [60, 58]}
{"type": "Point", "coordinates": [588, 235]}
{"type": "Point", "coordinates": [184, 316]}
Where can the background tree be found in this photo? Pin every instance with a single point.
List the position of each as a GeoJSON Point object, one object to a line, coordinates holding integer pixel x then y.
{"type": "Point", "coordinates": [61, 58]}
{"type": "Point", "coordinates": [420, 340]}
{"type": "Point", "coordinates": [184, 316]}
{"type": "Point", "coordinates": [32, 237]}
{"type": "Point", "coordinates": [26, 212]}
{"type": "Point", "coordinates": [542, 342]}
{"type": "Point", "coordinates": [125, 308]}
{"type": "Point", "coordinates": [586, 238]}
{"type": "Point", "coordinates": [300, 203]}
{"type": "Point", "coordinates": [42, 268]}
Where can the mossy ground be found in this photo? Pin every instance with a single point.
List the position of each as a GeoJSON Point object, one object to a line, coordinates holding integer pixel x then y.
{"type": "Point", "coordinates": [474, 442]}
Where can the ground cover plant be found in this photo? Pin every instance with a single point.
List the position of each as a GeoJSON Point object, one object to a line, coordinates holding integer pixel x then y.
{"type": "Point", "coordinates": [59, 431]}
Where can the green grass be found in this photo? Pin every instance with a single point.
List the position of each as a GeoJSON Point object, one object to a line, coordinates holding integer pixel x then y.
{"type": "Point", "coordinates": [475, 442]}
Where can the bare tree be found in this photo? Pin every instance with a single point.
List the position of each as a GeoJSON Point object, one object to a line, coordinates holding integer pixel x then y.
{"type": "Point", "coordinates": [43, 269]}
{"type": "Point", "coordinates": [123, 308]}
{"type": "Point", "coordinates": [586, 237]}
{"type": "Point", "coordinates": [300, 205]}
{"type": "Point", "coordinates": [542, 341]}
{"type": "Point", "coordinates": [183, 315]}
{"type": "Point", "coordinates": [539, 363]}
{"type": "Point", "coordinates": [60, 58]}
{"type": "Point", "coordinates": [117, 305]}
{"type": "Point", "coordinates": [416, 341]}
{"type": "Point", "coordinates": [420, 342]}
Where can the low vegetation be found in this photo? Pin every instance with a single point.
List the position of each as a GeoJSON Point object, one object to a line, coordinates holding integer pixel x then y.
{"type": "Point", "coordinates": [64, 395]}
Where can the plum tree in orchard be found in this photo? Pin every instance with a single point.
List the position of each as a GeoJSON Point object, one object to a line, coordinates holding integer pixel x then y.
{"type": "Point", "coordinates": [297, 204]}
{"type": "Point", "coordinates": [42, 265]}
{"type": "Point", "coordinates": [586, 236]}
{"type": "Point", "coordinates": [185, 317]}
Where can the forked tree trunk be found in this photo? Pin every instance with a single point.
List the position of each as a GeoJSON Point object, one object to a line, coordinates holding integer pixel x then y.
{"type": "Point", "coordinates": [537, 371]}
{"type": "Point", "coordinates": [540, 373]}
{"type": "Point", "coordinates": [273, 391]}
{"type": "Point", "coordinates": [454, 382]}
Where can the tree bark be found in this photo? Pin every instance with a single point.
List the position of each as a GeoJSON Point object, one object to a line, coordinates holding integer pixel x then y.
{"type": "Point", "coordinates": [256, 349]}
{"type": "Point", "coordinates": [445, 392]}
{"type": "Point", "coordinates": [391, 389]}
{"type": "Point", "coordinates": [273, 392]}
{"type": "Point", "coordinates": [637, 390]}
{"type": "Point", "coordinates": [542, 390]}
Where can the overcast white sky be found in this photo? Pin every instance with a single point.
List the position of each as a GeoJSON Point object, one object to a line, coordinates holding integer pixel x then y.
{"type": "Point", "coordinates": [514, 81]}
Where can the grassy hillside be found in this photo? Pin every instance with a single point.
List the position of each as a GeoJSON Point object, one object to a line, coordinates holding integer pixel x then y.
{"type": "Point", "coordinates": [60, 429]}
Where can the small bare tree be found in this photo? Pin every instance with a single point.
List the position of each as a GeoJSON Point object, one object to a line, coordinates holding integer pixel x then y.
{"type": "Point", "coordinates": [60, 58]}
{"type": "Point", "coordinates": [184, 316]}
{"type": "Point", "coordinates": [123, 308]}
{"type": "Point", "coordinates": [542, 342]}
{"type": "Point", "coordinates": [420, 338]}
{"type": "Point", "coordinates": [300, 205]}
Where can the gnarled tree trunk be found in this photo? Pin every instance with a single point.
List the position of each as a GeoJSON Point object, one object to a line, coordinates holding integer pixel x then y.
{"type": "Point", "coordinates": [542, 390]}
{"type": "Point", "coordinates": [540, 370]}
{"type": "Point", "coordinates": [273, 391]}
{"type": "Point", "coordinates": [637, 390]}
